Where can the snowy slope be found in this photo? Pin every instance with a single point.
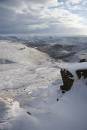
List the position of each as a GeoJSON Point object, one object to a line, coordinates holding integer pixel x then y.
{"type": "Point", "coordinates": [29, 87]}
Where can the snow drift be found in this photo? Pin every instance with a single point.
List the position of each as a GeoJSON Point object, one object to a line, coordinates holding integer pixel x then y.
{"type": "Point", "coordinates": [29, 87]}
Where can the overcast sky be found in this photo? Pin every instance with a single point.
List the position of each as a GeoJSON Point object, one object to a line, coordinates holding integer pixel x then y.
{"type": "Point", "coordinates": [63, 17]}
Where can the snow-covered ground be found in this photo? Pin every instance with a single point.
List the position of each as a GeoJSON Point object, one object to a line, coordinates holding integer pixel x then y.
{"type": "Point", "coordinates": [29, 87]}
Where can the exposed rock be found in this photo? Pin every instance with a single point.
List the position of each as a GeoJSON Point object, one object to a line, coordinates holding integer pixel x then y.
{"type": "Point", "coordinates": [82, 73]}
{"type": "Point", "coordinates": [22, 48]}
{"type": "Point", "coordinates": [83, 60]}
{"type": "Point", "coordinates": [68, 80]}
{"type": "Point", "coordinates": [28, 113]}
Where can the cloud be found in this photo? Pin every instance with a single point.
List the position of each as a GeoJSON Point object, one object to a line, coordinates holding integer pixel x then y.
{"type": "Point", "coordinates": [70, 1]}
{"type": "Point", "coordinates": [42, 16]}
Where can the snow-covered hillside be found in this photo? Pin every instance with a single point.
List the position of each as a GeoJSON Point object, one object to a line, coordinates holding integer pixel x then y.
{"type": "Point", "coordinates": [29, 87]}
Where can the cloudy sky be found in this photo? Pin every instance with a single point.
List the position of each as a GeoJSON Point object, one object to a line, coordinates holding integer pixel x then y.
{"type": "Point", "coordinates": [63, 17]}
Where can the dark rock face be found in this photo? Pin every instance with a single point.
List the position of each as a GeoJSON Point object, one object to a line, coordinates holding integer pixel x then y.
{"type": "Point", "coordinates": [68, 80]}
{"type": "Point", "coordinates": [83, 60]}
{"type": "Point", "coordinates": [82, 73]}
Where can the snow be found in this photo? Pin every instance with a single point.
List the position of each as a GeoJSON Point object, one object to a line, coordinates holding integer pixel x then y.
{"type": "Point", "coordinates": [29, 88]}
{"type": "Point", "coordinates": [68, 113]}
{"type": "Point", "coordinates": [73, 67]}
{"type": "Point", "coordinates": [76, 66]}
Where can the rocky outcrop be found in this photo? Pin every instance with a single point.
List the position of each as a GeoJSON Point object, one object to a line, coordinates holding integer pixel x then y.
{"type": "Point", "coordinates": [67, 79]}
{"type": "Point", "coordinates": [82, 73]}
{"type": "Point", "coordinates": [83, 60]}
